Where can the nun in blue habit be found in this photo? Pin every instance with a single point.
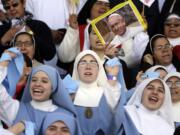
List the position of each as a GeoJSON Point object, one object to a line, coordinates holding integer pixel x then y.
{"type": "Point", "coordinates": [142, 116]}
{"type": "Point", "coordinates": [95, 104]}
{"type": "Point", "coordinates": [31, 109]}
{"type": "Point", "coordinates": [69, 121]}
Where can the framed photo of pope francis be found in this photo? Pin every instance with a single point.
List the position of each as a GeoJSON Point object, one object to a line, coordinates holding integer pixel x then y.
{"type": "Point", "coordinates": [117, 21]}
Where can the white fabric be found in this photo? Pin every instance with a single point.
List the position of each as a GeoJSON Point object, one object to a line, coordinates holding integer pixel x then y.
{"type": "Point", "coordinates": [5, 132]}
{"type": "Point", "coordinates": [54, 13]}
{"type": "Point", "coordinates": [164, 112]}
{"type": "Point", "coordinates": [176, 111]}
{"type": "Point", "coordinates": [112, 94]}
{"type": "Point", "coordinates": [147, 122]}
{"type": "Point", "coordinates": [170, 68]}
{"type": "Point", "coordinates": [154, 68]}
{"type": "Point", "coordinates": [176, 106]}
{"type": "Point", "coordinates": [44, 106]}
{"type": "Point", "coordinates": [160, 4]}
{"type": "Point", "coordinates": [174, 41]}
{"type": "Point", "coordinates": [89, 95]}
{"type": "Point", "coordinates": [86, 45]}
{"type": "Point", "coordinates": [147, 2]}
{"type": "Point", "coordinates": [70, 46]}
{"type": "Point", "coordinates": [133, 42]}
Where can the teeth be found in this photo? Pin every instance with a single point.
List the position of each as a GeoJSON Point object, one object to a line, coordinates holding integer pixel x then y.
{"type": "Point", "coordinates": [153, 99]}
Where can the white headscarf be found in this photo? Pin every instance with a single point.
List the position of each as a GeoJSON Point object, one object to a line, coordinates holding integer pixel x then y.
{"type": "Point", "coordinates": [154, 68]}
{"type": "Point", "coordinates": [89, 95]}
{"type": "Point", "coordinates": [140, 115]}
{"type": "Point", "coordinates": [176, 106]}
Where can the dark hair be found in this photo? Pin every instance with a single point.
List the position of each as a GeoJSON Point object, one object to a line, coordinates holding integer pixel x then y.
{"type": "Point", "coordinates": [27, 60]}
{"type": "Point", "coordinates": [5, 1]}
{"type": "Point", "coordinates": [153, 40]}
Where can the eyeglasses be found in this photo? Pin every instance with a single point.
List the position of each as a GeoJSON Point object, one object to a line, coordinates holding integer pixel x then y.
{"type": "Point", "coordinates": [7, 7]}
{"type": "Point", "coordinates": [102, 3]}
{"type": "Point", "coordinates": [25, 43]}
{"type": "Point", "coordinates": [172, 24]}
{"type": "Point", "coordinates": [162, 47]}
{"type": "Point", "coordinates": [176, 84]}
{"type": "Point", "coordinates": [91, 63]}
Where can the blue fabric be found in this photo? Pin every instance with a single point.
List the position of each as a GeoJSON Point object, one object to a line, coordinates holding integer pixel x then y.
{"type": "Point", "coordinates": [60, 96]}
{"type": "Point", "coordinates": [124, 124]}
{"type": "Point", "coordinates": [14, 71]}
{"type": "Point", "coordinates": [100, 122]}
{"type": "Point", "coordinates": [115, 62]}
{"type": "Point", "coordinates": [70, 84]}
{"type": "Point", "coordinates": [27, 113]}
{"type": "Point", "coordinates": [29, 128]}
{"type": "Point", "coordinates": [68, 120]}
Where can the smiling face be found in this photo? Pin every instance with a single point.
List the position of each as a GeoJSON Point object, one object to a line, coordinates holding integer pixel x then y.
{"type": "Point", "coordinates": [14, 8]}
{"type": "Point", "coordinates": [40, 86]}
{"type": "Point", "coordinates": [153, 95]}
{"type": "Point", "coordinates": [162, 52]}
{"type": "Point", "coordinates": [95, 42]}
{"type": "Point", "coordinates": [57, 128]}
{"type": "Point", "coordinates": [88, 69]}
{"type": "Point", "coordinates": [172, 28]}
{"type": "Point", "coordinates": [117, 24]}
{"type": "Point", "coordinates": [99, 8]}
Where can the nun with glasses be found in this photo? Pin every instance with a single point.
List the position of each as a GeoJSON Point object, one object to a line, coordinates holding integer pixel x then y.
{"type": "Point", "coordinates": [95, 103]}
{"type": "Point", "coordinates": [149, 110]}
{"type": "Point", "coordinates": [44, 93]}
{"type": "Point", "coordinates": [60, 123]}
{"type": "Point", "coordinates": [173, 81]}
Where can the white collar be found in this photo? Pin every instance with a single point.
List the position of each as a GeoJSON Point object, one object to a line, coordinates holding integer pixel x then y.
{"type": "Point", "coordinates": [174, 41]}
{"type": "Point", "coordinates": [47, 105]}
{"type": "Point", "coordinates": [170, 68]}
{"type": "Point", "coordinates": [176, 111]}
{"type": "Point", "coordinates": [88, 95]}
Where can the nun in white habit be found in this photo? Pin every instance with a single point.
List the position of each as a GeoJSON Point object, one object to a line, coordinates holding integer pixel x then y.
{"type": "Point", "coordinates": [150, 108]}
{"type": "Point", "coordinates": [94, 107]}
{"type": "Point", "coordinates": [173, 81]}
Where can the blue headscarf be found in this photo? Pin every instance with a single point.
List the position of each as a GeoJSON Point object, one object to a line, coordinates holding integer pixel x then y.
{"type": "Point", "coordinates": [59, 94]}
{"type": "Point", "coordinates": [14, 70]}
{"type": "Point", "coordinates": [68, 120]}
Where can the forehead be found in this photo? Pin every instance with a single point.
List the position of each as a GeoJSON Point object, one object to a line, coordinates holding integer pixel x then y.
{"type": "Point", "coordinates": [115, 18]}
{"type": "Point", "coordinates": [88, 57]}
{"type": "Point", "coordinates": [174, 78]}
{"type": "Point", "coordinates": [23, 36]}
{"type": "Point", "coordinates": [40, 74]}
{"type": "Point", "coordinates": [10, 1]}
{"type": "Point", "coordinates": [160, 41]}
{"type": "Point", "coordinates": [156, 83]}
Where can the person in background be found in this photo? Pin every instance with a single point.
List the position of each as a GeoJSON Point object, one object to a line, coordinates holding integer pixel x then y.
{"type": "Point", "coordinates": [173, 81]}
{"type": "Point", "coordinates": [20, 20]}
{"type": "Point", "coordinates": [160, 54]}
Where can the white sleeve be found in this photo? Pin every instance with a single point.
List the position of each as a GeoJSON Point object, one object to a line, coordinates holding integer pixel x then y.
{"type": "Point", "coordinates": [5, 132]}
{"type": "Point", "coordinates": [81, 4]}
{"type": "Point", "coordinates": [139, 45]}
{"type": "Point", "coordinates": [112, 94]}
{"type": "Point", "coordinates": [70, 46]}
{"type": "Point", "coordinates": [8, 106]}
{"type": "Point", "coordinates": [29, 6]}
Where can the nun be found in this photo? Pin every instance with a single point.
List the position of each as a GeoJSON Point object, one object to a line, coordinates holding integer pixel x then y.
{"type": "Point", "coordinates": [173, 81]}
{"type": "Point", "coordinates": [95, 104]}
{"type": "Point", "coordinates": [149, 110]}
{"type": "Point", "coordinates": [44, 93]}
{"type": "Point", "coordinates": [60, 123]}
